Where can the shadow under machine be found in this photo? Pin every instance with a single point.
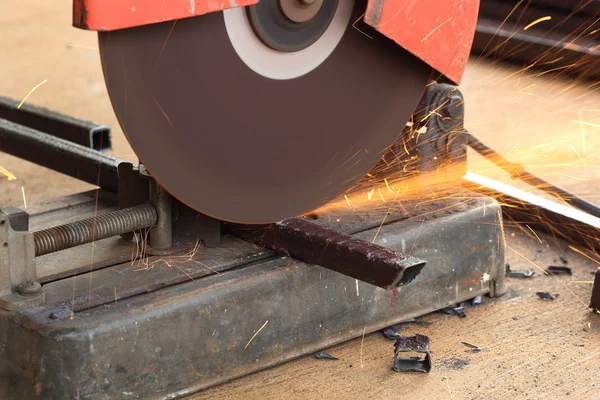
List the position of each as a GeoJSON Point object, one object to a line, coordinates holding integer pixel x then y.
{"type": "Point", "coordinates": [277, 141]}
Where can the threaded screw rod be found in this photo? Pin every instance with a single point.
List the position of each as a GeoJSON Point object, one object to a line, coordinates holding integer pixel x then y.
{"type": "Point", "coordinates": [96, 228]}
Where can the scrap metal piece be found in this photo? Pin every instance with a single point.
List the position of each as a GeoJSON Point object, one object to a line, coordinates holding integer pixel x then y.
{"type": "Point", "coordinates": [390, 333]}
{"type": "Point", "coordinates": [477, 300]}
{"type": "Point", "coordinates": [547, 296]}
{"type": "Point", "coordinates": [456, 309]}
{"type": "Point", "coordinates": [518, 273]}
{"type": "Point", "coordinates": [357, 258]}
{"type": "Point", "coordinates": [564, 260]}
{"type": "Point", "coordinates": [559, 269]}
{"type": "Point", "coordinates": [324, 356]}
{"type": "Point", "coordinates": [472, 347]}
{"type": "Point", "coordinates": [595, 302]}
{"type": "Point", "coordinates": [418, 344]}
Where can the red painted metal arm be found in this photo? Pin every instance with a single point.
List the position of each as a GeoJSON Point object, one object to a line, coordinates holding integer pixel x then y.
{"type": "Point", "coordinates": [439, 32]}
{"type": "Point", "coordinates": [108, 15]}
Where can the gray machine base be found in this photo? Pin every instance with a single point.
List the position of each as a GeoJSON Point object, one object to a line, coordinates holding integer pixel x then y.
{"type": "Point", "coordinates": [166, 328]}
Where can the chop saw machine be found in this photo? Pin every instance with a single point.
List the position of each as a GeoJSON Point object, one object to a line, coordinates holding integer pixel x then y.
{"type": "Point", "coordinates": [246, 234]}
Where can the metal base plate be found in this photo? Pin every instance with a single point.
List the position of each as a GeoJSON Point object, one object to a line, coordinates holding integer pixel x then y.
{"type": "Point", "coordinates": [163, 328]}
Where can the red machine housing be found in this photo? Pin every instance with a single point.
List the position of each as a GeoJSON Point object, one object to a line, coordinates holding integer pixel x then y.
{"type": "Point", "coordinates": [439, 32]}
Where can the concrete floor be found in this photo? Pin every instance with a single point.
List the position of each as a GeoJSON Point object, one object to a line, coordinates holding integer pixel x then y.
{"type": "Point", "coordinates": [531, 349]}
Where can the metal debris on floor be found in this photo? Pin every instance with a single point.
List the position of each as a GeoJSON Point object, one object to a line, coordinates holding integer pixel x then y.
{"type": "Point", "coordinates": [321, 355]}
{"type": "Point", "coordinates": [518, 273]}
{"type": "Point", "coordinates": [471, 347]}
{"type": "Point", "coordinates": [559, 269]}
{"type": "Point", "coordinates": [459, 308]}
{"type": "Point", "coordinates": [456, 309]}
{"type": "Point", "coordinates": [564, 260]}
{"type": "Point", "coordinates": [547, 296]}
{"type": "Point", "coordinates": [413, 346]}
{"type": "Point", "coordinates": [390, 333]}
{"type": "Point", "coordinates": [393, 331]}
{"type": "Point", "coordinates": [595, 301]}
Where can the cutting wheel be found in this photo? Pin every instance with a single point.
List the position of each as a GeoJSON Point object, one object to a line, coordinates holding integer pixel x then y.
{"type": "Point", "coordinates": [260, 113]}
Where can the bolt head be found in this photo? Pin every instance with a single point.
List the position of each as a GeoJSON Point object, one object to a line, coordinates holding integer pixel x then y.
{"type": "Point", "coordinates": [455, 106]}
{"type": "Point", "coordinates": [29, 288]}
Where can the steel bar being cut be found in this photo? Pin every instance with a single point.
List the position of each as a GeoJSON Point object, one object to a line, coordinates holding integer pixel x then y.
{"type": "Point", "coordinates": [357, 258]}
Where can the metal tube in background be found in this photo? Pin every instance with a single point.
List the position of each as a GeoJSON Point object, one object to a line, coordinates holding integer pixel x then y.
{"type": "Point", "coordinates": [60, 155]}
{"type": "Point", "coordinates": [357, 258]}
{"type": "Point", "coordinates": [96, 228]}
{"type": "Point", "coordinates": [161, 235]}
{"type": "Point", "coordinates": [86, 133]}
{"type": "Point", "coordinates": [517, 171]}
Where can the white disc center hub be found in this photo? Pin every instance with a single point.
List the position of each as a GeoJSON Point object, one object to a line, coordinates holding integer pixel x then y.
{"type": "Point", "coordinates": [274, 64]}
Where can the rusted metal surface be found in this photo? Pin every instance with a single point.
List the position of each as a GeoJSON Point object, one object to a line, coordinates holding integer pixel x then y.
{"type": "Point", "coordinates": [108, 15]}
{"type": "Point", "coordinates": [183, 335]}
{"type": "Point", "coordinates": [595, 301]}
{"type": "Point", "coordinates": [357, 258]}
{"type": "Point", "coordinates": [438, 32]}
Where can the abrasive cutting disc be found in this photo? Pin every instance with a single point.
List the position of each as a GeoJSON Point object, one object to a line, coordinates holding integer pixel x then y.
{"type": "Point", "coordinates": [253, 115]}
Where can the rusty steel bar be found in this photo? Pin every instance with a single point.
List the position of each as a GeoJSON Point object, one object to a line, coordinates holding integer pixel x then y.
{"type": "Point", "coordinates": [64, 156]}
{"type": "Point", "coordinates": [357, 258]}
{"type": "Point", "coordinates": [96, 228]}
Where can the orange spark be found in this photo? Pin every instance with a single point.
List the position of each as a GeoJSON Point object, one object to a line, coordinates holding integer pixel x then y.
{"type": "Point", "coordinates": [380, 195]}
{"type": "Point", "coordinates": [386, 215]}
{"type": "Point", "coordinates": [257, 332]}
{"type": "Point", "coordinates": [586, 123]}
{"type": "Point", "coordinates": [347, 201]}
{"type": "Point", "coordinates": [370, 194]}
{"type": "Point", "coordinates": [527, 259]}
{"type": "Point", "coordinates": [24, 200]}
{"type": "Point", "coordinates": [537, 21]}
{"type": "Point", "coordinates": [532, 231]}
{"type": "Point", "coordinates": [388, 185]}
{"type": "Point", "coordinates": [362, 341]}
{"type": "Point", "coordinates": [31, 91]}
{"type": "Point", "coordinates": [7, 173]}
{"type": "Point", "coordinates": [583, 254]}
{"type": "Point", "coordinates": [435, 29]}
{"type": "Point", "coordinates": [355, 27]}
